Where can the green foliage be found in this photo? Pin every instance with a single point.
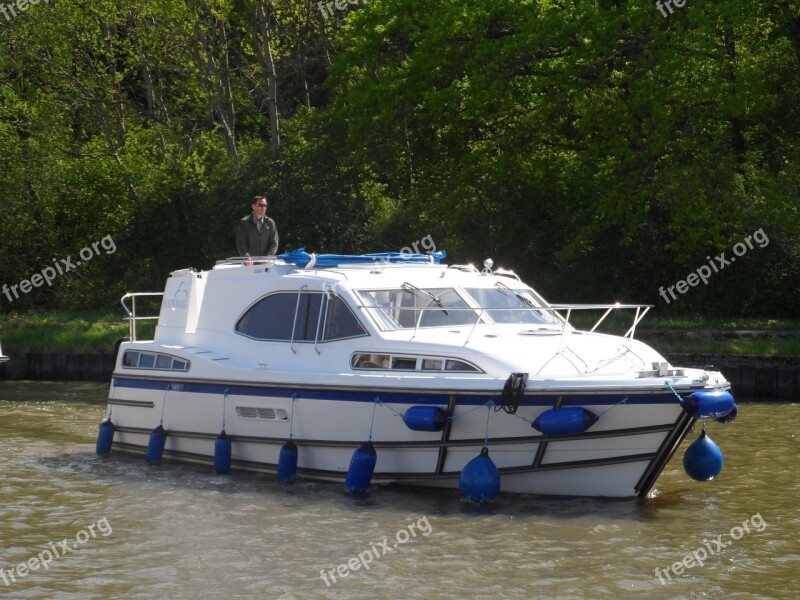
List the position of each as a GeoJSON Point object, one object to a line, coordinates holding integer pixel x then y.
{"type": "Point", "coordinates": [600, 150]}
{"type": "Point", "coordinates": [62, 331]}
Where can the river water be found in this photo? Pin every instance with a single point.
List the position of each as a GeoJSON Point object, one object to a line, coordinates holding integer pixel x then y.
{"type": "Point", "coordinates": [116, 527]}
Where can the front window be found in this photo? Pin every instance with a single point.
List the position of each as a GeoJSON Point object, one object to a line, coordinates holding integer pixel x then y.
{"type": "Point", "coordinates": [408, 307]}
{"type": "Point", "coordinates": [506, 305]}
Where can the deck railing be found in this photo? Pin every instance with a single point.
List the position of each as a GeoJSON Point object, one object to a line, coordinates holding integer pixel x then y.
{"type": "Point", "coordinates": [132, 317]}
{"type": "Point", "coordinates": [246, 260]}
{"type": "Point", "coordinates": [555, 309]}
{"type": "Point", "coordinates": [560, 327]}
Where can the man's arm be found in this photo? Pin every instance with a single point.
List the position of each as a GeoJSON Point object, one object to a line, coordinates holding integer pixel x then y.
{"type": "Point", "coordinates": [273, 246]}
{"type": "Point", "coordinates": [241, 238]}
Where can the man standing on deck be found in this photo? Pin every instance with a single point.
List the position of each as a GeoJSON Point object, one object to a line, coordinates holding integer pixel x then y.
{"type": "Point", "coordinates": [256, 234]}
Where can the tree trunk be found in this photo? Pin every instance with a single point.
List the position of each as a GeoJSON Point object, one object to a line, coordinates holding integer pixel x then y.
{"type": "Point", "coordinates": [263, 18]}
{"type": "Point", "coordinates": [215, 77]}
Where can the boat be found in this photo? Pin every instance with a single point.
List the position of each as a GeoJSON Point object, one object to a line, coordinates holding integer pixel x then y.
{"type": "Point", "coordinates": [3, 357]}
{"type": "Point", "coordinates": [396, 368]}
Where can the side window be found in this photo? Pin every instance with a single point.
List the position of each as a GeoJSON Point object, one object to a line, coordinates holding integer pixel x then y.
{"type": "Point", "coordinates": [431, 364]}
{"type": "Point", "coordinates": [153, 360]}
{"type": "Point", "coordinates": [361, 360]}
{"type": "Point", "coordinates": [340, 322]}
{"type": "Point", "coordinates": [270, 318]}
{"type": "Point", "coordinates": [307, 318]}
{"type": "Point", "coordinates": [404, 363]}
{"type": "Point", "coordinates": [459, 365]}
{"type": "Point", "coordinates": [130, 359]}
{"type": "Point", "coordinates": [364, 360]}
{"type": "Point", "coordinates": [273, 318]}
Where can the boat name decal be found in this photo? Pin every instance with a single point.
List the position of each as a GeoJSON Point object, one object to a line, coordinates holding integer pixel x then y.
{"type": "Point", "coordinates": [179, 300]}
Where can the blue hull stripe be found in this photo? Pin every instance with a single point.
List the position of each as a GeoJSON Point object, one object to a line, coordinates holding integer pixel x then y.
{"type": "Point", "coordinates": [385, 395]}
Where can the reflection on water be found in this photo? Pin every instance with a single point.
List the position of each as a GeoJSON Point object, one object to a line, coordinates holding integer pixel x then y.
{"type": "Point", "coordinates": [181, 531]}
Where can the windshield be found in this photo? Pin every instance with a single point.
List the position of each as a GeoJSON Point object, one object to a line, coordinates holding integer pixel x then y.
{"type": "Point", "coordinates": [508, 305]}
{"type": "Point", "coordinates": [407, 306]}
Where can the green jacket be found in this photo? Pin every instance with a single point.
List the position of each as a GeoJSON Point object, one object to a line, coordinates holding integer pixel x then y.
{"type": "Point", "coordinates": [249, 240]}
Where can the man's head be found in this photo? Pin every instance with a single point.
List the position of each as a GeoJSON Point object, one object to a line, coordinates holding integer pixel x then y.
{"type": "Point", "coordinates": [259, 206]}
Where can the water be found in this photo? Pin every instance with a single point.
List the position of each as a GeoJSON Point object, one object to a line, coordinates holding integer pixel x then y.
{"type": "Point", "coordinates": [181, 531]}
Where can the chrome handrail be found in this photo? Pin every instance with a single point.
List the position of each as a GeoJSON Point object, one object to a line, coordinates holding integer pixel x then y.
{"type": "Point", "coordinates": [553, 308]}
{"type": "Point", "coordinates": [243, 260]}
{"type": "Point", "coordinates": [296, 309]}
{"type": "Point", "coordinates": [132, 318]}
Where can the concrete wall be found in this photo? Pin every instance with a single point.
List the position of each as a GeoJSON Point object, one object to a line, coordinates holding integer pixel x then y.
{"type": "Point", "coordinates": [47, 366]}
{"type": "Point", "coordinates": [751, 377]}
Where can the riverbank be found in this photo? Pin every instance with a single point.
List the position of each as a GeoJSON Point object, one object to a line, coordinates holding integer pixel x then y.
{"type": "Point", "coordinates": [752, 377]}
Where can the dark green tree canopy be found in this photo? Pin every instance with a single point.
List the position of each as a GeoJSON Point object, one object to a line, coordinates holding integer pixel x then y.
{"type": "Point", "coordinates": [601, 149]}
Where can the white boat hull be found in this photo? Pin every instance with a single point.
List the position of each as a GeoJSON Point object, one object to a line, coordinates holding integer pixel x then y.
{"type": "Point", "coordinates": [631, 439]}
